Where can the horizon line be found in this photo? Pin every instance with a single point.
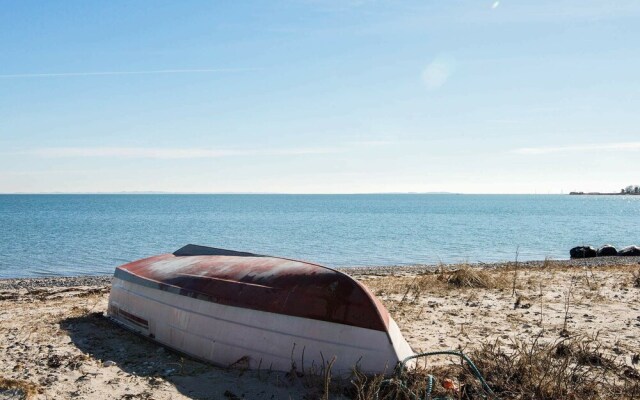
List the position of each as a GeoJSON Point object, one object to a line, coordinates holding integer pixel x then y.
{"type": "Point", "coordinates": [269, 193]}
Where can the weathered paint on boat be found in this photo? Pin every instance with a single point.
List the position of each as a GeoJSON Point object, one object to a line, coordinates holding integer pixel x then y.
{"type": "Point", "coordinates": [223, 306]}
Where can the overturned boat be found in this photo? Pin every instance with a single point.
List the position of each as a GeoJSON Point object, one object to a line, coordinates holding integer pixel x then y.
{"type": "Point", "coordinates": [228, 307]}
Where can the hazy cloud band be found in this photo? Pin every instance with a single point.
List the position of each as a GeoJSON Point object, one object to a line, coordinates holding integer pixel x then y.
{"type": "Point", "coordinates": [622, 146]}
{"type": "Point", "coordinates": [107, 73]}
{"type": "Point", "coordinates": [168, 153]}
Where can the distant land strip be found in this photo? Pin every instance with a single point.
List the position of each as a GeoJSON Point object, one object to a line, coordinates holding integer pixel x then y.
{"type": "Point", "coordinates": [603, 194]}
{"type": "Point", "coordinates": [629, 190]}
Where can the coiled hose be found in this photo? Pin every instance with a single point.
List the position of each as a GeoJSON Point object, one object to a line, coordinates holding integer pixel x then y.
{"type": "Point", "coordinates": [430, 379]}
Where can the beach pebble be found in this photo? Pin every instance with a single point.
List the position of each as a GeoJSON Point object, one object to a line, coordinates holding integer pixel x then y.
{"type": "Point", "coordinates": [55, 281]}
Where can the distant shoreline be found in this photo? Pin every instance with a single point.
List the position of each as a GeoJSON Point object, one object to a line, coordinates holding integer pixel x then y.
{"type": "Point", "coordinates": [304, 194]}
{"type": "Point", "coordinates": [602, 194]}
{"type": "Point", "coordinates": [247, 193]}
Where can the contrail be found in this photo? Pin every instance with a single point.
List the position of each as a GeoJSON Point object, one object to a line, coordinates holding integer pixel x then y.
{"type": "Point", "coordinates": [104, 73]}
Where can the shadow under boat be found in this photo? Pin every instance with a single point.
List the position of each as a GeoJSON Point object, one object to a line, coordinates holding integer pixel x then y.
{"type": "Point", "coordinates": [96, 336]}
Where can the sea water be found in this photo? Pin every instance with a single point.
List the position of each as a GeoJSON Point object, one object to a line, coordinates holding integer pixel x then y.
{"type": "Point", "coordinates": [92, 234]}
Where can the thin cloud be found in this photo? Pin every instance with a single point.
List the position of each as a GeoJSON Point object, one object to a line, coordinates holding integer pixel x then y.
{"type": "Point", "coordinates": [111, 73]}
{"type": "Point", "coordinates": [371, 143]}
{"type": "Point", "coordinates": [565, 10]}
{"type": "Point", "coordinates": [622, 146]}
{"type": "Point", "coordinates": [167, 153]}
{"type": "Point", "coordinates": [437, 73]}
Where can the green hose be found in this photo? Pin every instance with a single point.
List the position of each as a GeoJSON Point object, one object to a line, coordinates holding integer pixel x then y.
{"type": "Point", "coordinates": [430, 379]}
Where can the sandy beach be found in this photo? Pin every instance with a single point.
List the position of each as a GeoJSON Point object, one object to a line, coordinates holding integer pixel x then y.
{"type": "Point", "coordinates": [56, 344]}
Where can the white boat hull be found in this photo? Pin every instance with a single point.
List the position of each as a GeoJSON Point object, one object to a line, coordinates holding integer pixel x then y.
{"type": "Point", "coordinates": [226, 335]}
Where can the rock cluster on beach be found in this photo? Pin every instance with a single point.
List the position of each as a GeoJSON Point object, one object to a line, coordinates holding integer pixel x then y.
{"type": "Point", "coordinates": [604, 251]}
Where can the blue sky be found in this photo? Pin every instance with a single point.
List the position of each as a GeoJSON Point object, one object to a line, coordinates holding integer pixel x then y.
{"type": "Point", "coordinates": [319, 96]}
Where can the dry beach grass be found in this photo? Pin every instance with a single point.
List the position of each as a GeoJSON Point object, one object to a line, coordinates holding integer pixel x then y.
{"type": "Point", "coordinates": [546, 330]}
{"type": "Point", "coordinates": [555, 331]}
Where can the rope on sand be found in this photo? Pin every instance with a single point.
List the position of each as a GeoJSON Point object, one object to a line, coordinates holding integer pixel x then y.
{"type": "Point", "coordinates": [430, 379]}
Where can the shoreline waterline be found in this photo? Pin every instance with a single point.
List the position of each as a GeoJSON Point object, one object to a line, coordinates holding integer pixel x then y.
{"type": "Point", "coordinates": [101, 280]}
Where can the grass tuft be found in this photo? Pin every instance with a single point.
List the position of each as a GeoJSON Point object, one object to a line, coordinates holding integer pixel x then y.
{"type": "Point", "coordinates": [17, 389]}
{"type": "Point", "coordinates": [635, 276]}
{"type": "Point", "coordinates": [468, 277]}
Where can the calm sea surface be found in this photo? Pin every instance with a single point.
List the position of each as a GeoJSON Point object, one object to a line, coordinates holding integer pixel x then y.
{"type": "Point", "coordinates": [92, 234]}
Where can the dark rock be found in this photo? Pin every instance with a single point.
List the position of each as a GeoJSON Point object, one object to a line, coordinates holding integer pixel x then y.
{"type": "Point", "coordinates": [54, 361]}
{"type": "Point", "coordinates": [607, 250]}
{"type": "Point", "coordinates": [583, 252]}
{"type": "Point", "coordinates": [630, 251]}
